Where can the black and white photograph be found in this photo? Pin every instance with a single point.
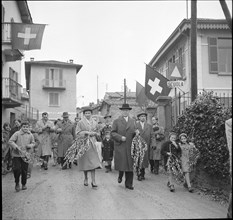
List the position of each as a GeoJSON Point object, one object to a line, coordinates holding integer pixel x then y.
{"type": "Point", "coordinates": [116, 109]}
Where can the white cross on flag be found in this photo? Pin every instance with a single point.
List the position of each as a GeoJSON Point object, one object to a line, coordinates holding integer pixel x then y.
{"type": "Point", "coordinates": [27, 36]}
{"type": "Point", "coordinates": [155, 84]}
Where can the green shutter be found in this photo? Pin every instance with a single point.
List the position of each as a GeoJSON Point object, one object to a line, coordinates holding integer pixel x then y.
{"type": "Point", "coordinates": [61, 77]}
{"type": "Point", "coordinates": [213, 55]}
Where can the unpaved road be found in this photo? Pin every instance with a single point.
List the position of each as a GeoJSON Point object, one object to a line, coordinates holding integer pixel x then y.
{"type": "Point", "coordinates": [60, 194]}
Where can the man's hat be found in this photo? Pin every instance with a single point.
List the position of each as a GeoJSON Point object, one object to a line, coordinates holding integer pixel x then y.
{"type": "Point", "coordinates": [125, 106]}
{"type": "Point", "coordinates": [89, 109]}
{"type": "Point", "coordinates": [142, 113]}
{"type": "Point", "coordinates": [65, 114]}
{"type": "Point", "coordinates": [107, 115]}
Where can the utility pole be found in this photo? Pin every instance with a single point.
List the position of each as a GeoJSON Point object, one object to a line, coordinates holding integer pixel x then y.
{"type": "Point", "coordinates": [226, 13]}
{"type": "Point", "coordinates": [97, 89]}
{"type": "Point", "coordinates": [193, 50]}
{"type": "Point", "coordinates": [124, 91]}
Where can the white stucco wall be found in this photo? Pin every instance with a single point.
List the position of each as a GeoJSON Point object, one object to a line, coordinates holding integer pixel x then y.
{"type": "Point", "coordinates": [39, 96]}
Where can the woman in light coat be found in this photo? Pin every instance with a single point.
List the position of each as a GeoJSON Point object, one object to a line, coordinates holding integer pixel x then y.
{"type": "Point", "coordinates": [90, 160]}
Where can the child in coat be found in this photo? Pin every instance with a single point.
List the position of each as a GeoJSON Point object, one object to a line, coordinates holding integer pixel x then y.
{"type": "Point", "coordinates": [5, 146]}
{"type": "Point", "coordinates": [107, 151]}
{"type": "Point", "coordinates": [21, 141]}
{"type": "Point", "coordinates": [171, 152]}
{"type": "Point", "coordinates": [186, 149]}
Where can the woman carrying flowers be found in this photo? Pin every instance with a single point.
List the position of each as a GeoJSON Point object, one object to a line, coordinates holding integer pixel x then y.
{"type": "Point", "coordinates": [89, 161]}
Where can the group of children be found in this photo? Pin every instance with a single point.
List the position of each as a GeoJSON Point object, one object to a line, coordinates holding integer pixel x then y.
{"type": "Point", "coordinates": [177, 159]}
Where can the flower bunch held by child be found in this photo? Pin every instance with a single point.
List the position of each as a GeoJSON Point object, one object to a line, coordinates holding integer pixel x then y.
{"type": "Point", "coordinates": [80, 145]}
{"type": "Point", "coordinates": [138, 148]}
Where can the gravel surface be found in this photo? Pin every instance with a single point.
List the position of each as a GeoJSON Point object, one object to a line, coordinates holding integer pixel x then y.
{"type": "Point", "coordinates": [60, 194]}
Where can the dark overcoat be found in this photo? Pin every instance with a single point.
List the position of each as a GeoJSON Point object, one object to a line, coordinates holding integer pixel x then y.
{"type": "Point", "coordinates": [122, 150]}
{"type": "Point", "coordinates": [146, 134]}
{"type": "Point", "coordinates": [66, 137]}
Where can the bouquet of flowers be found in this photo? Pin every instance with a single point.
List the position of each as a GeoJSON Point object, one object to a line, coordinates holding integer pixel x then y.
{"type": "Point", "coordinates": [77, 149]}
{"type": "Point", "coordinates": [138, 148]}
{"type": "Point", "coordinates": [174, 166]}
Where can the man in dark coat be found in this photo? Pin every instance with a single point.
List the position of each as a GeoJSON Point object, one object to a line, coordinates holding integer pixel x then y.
{"type": "Point", "coordinates": [145, 130]}
{"type": "Point", "coordinates": [123, 131]}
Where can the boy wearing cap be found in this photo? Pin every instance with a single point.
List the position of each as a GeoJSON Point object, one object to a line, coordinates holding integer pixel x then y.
{"type": "Point", "coordinates": [145, 130]}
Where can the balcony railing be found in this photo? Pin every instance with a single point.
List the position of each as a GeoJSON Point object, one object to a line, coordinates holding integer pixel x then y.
{"type": "Point", "coordinates": [29, 113]}
{"type": "Point", "coordinates": [57, 84]}
{"type": "Point", "coordinates": [11, 89]}
{"type": "Point", "coordinates": [6, 33]}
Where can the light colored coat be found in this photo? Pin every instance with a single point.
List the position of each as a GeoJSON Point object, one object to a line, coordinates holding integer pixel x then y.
{"type": "Point", "coordinates": [44, 136]}
{"type": "Point", "coordinates": [122, 150]}
{"type": "Point", "coordinates": [65, 138]}
{"type": "Point", "coordinates": [90, 160]}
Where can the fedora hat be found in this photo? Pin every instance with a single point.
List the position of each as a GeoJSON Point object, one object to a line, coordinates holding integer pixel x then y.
{"type": "Point", "coordinates": [87, 109]}
{"type": "Point", "coordinates": [65, 114]}
{"type": "Point", "coordinates": [125, 106]}
{"type": "Point", "coordinates": [107, 115]}
{"type": "Point", "coordinates": [142, 113]}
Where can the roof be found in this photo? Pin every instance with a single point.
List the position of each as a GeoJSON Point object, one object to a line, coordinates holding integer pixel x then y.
{"type": "Point", "coordinates": [202, 23]}
{"type": "Point", "coordinates": [51, 63]}
{"type": "Point", "coordinates": [24, 12]}
{"type": "Point", "coordinates": [120, 94]}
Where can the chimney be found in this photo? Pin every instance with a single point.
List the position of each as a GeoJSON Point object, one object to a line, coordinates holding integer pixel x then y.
{"type": "Point", "coordinates": [32, 58]}
{"type": "Point", "coordinates": [71, 61]}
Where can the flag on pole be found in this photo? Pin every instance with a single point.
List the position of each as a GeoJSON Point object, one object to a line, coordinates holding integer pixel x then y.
{"type": "Point", "coordinates": [155, 84]}
{"type": "Point", "coordinates": [141, 98]}
{"type": "Point", "coordinates": [27, 36]}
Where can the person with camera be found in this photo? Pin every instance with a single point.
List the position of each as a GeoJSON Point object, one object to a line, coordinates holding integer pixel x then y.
{"type": "Point", "coordinates": [44, 128]}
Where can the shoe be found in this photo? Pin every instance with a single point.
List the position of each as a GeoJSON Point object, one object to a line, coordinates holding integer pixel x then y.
{"type": "Point", "coordinates": [139, 178]}
{"type": "Point", "coordinates": [168, 184]}
{"type": "Point", "coordinates": [172, 188]}
{"type": "Point", "coordinates": [106, 171]}
{"type": "Point", "coordinates": [185, 185]}
{"type": "Point", "coordinates": [28, 175]}
{"type": "Point", "coordinates": [190, 189]}
{"type": "Point", "coordinates": [45, 168]}
{"type": "Point", "coordinates": [129, 187]}
{"type": "Point", "coordinates": [70, 165]}
{"type": "Point", "coordinates": [119, 180]}
{"type": "Point", "coordinates": [156, 172]}
{"type": "Point", "coordinates": [24, 187]}
{"type": "Point", "coordinates": [93, 186]}
{"type": "Point", "coordinates": [17, 188]}
{"type": "Point", "coordinates": [85, 183]}
{"type": "Point", "coordinates": [75, 162]}
{"type": "Point", "coordinates": [64, 168]}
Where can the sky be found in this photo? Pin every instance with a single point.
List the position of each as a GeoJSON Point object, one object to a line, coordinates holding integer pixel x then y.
{"type": "Point", "coordinates": [111, 39]}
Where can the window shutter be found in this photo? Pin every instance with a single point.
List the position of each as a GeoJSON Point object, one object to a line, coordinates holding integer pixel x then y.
{"type": "Point", "coordinates": [60, 77]}
{"type": "Point", "coordinates": [47, 77]}
{"type": "Point", "coordinates": [213, 55]}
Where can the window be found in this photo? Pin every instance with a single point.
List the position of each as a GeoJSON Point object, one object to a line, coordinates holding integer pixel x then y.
{"type": "Point", "coordinates": [53, 99]}
{"type": "Point", "coordinates": [220, 55]}
{"type": "Point", "coordinates": [54, 77]}
{"type": "Point", "coordinates": [13, 79]}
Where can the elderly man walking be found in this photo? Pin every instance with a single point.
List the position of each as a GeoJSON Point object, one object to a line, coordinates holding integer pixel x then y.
{"type": "Point", "coordinates": [123, 131]}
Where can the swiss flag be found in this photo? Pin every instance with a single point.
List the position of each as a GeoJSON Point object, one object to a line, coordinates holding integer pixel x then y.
{"type": "Point", "coordinates": [155, 84]}
{"type": "Point", "coordinates": [27, 36]}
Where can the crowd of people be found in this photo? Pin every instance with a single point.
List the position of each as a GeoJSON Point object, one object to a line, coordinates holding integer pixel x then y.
{"type": "Point", "coordinates": [22, 145]}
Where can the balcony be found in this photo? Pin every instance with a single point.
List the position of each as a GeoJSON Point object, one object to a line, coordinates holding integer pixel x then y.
{"type": "Point", "coordinates": [53, 84]}
{"type": "Point", "coordinates": [10, 54]}
{"type": "Point", "coordinates": [11, 93]}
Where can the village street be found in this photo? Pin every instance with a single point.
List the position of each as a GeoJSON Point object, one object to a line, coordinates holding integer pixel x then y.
{"type": "Point", "coordinates": [60, 194]}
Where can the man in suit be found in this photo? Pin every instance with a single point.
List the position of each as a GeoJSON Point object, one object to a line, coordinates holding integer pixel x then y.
{"type": "Point", "coordinates": [145, 130]}
{"type": "Point", "coordinates": [123, 131]}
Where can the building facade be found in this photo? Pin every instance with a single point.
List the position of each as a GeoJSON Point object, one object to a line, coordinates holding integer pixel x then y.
{"type": "Point", "coordinates": [52, 87]}
{"type": "Point", "coordinates": [14, 104]}
{"type": "Point", "coordinates": [214, 65]}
